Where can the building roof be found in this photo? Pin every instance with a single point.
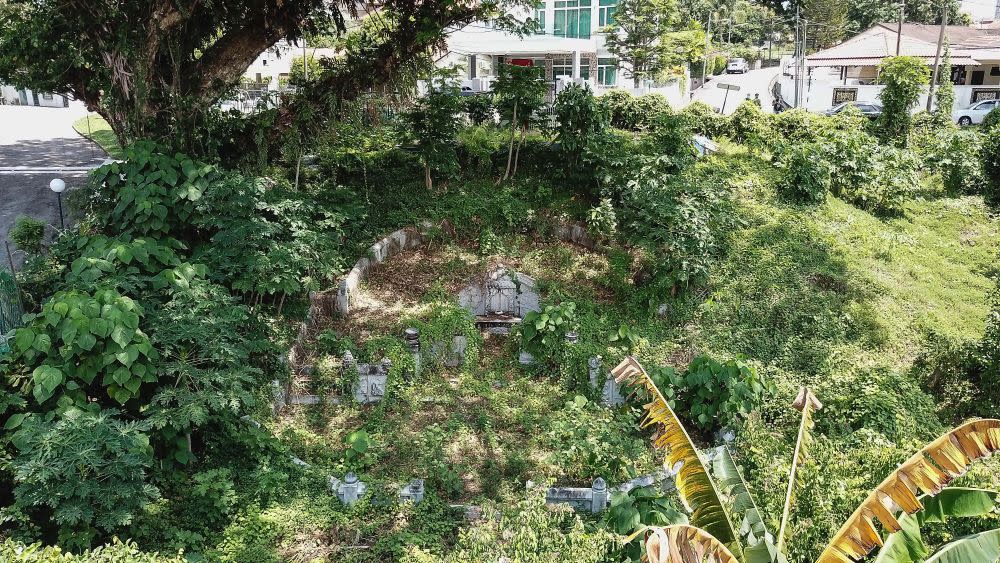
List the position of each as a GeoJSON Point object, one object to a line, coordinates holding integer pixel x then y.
{"type": "Point", "coordinates": [968, 45]}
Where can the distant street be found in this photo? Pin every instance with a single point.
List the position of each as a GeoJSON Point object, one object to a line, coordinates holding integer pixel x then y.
{"type": "Point", "coordinates": [753, 82]}
{"type": "Point", "coordinates": [36, 145]}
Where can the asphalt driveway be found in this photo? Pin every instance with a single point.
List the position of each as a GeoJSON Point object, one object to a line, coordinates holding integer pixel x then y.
{"type": "Point", "coordinates": [37, 145]}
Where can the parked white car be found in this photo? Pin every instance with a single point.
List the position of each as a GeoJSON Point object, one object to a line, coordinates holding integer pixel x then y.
{"type": "Point", "coordinates": [975, 113]}
{"type": "Point", "coordinates": [737, 65]}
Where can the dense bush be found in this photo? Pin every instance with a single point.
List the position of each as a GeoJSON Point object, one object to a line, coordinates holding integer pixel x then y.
{"type": "Point", "coordinates": [84, 469]}
{"type": "Point", "coordinates": [806, 178]}
{"type": "Point", "coordinates": [115, 552]}
{"type": "Point", "coordinates": [991, 166]}
{"type": "Point", "coordinates": [751, 126]}
{"type": "Point", "coordinates": [578, 119]}
{"type": "Point", "coordinates": [991, 120]}
{"type": "Point", "coordinates": [702, 119]}
{"type": "Point", "coordinates": [712, 394]}
{"type": "Point", "coordinates": [632, 113]}
{"type": "Point", "coordinates": [904, 79]}
{"type": "Point", "coordinates": [798, 126]}
{"type": "Point", "coordinates": [82, 348]}
{"type": "Point", "coordinates": [27, 234]}
{"type": "Point", "coordinates": [480, 109]}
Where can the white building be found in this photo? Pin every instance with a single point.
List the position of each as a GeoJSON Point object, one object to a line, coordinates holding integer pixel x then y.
{"type": "Point", "coordinates": [849, 71]}
{"type": "Point", "coordinates": [570, 47]}
{"type": "Point", "coordinates": [26, 97]}
{"type": "Point", "coordinates": [274, 65]}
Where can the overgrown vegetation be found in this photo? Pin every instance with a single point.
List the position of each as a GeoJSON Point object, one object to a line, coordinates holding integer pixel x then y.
{"type": "Point", "coordinates": [136, 397]}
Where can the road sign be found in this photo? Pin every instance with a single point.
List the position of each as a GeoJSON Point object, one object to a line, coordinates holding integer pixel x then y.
{"type": "Point", "coordinates": [725, 86]}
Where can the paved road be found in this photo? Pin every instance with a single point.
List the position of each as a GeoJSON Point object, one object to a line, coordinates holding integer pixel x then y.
{"type": "Point", "coordinates": [34, 144]}
{"type": "Point", "coordinates": [753, 82]}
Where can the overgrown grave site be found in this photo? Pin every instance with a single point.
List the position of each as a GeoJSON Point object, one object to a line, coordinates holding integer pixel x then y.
{"type": "Point", "coordinates": [357, 364]}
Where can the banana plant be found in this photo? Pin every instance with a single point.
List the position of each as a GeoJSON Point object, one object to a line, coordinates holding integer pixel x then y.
{"type": "Point", "coordinates": [928, 471]}
{"type": "Point", "coordinates": [715, 538]}
{"type": "Point", "coordinates": [907, 545]}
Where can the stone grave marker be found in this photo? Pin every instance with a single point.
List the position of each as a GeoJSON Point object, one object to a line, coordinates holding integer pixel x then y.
{"type": "Point", "coordinates": [593, 499]}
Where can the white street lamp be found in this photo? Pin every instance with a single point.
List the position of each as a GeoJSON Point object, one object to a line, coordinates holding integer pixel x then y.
{"type": "Point", "coordinates": [59, 186]}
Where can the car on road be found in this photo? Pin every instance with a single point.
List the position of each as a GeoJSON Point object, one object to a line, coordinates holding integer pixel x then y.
{"type": "Point", "coordinates": [868, 109]}
{"type": "Point", "coordinates": [974, 114]}
{"type": "Point", "coordinates": [737, 65]}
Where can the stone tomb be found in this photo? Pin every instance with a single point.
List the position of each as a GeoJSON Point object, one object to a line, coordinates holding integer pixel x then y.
{"type": "Point", "coordinates": [500, 300]}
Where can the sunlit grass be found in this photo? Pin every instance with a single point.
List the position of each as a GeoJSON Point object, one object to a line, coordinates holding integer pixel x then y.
{"type": "Point", "coordinates": [95, 128]}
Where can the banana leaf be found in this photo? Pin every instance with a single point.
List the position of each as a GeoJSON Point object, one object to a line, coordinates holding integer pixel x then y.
{"type": "Point", "coordinates": [982, 547]}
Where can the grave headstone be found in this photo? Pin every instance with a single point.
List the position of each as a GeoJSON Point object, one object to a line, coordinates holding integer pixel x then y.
{"type": "Point", "coordinates": [610, 391]}
{"type": "Point", "coordinates": [414, 491]}
{"type": "Point", "coordinates": [412, 337]}
{"type": "Point", "coordinates": [500, 300]}
{"type": "Point", "coordinates": [350, 490]}
{"type": "Point", "coordinates": [592, 499]}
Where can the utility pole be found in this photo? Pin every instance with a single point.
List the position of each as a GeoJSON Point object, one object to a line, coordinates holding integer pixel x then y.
{"type": "Point", "coordinates": [937, 56]}
{"type": "Point", "coordinates": [798, 55]}
{"type": "Point", "coordinates": [805, 44]}
{"type": "Point", "coordinates": [899, 28]}
{"type": "Point", "coordinates": [708, 45]}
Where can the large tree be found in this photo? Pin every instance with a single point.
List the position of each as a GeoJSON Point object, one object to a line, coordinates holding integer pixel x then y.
{"type": "Point", "coordinates": [153, 68]}
{"type": "Point", "coordinates": [637, 36]}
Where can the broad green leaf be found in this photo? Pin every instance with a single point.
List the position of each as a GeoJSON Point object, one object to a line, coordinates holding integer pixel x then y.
{"type": "Point", "coordinates": [907, 545]}
{"type": "Point", "coordinates": [984, 546]}
{"type": "Point", "coordinates": [14, 421]}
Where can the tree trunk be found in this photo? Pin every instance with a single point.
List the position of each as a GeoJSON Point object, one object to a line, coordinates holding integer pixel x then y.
{"type": "Point", "coordinates": [517, 153]}
{"type": "Point", "coordinates": [510, 148]}
{"type": "Point", "coordinates": [427, 177]}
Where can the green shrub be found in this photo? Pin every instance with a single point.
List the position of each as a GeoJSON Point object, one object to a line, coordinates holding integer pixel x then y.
{"type": "Point", "coordinates": [904, 78]}
{"type": "Point", "coordinates": [602, 220]}
{"type": "Point", "coordinates": [83, 347]}
{"type": "Point", "coordinates": [798, 126]}
{"type": "Point", "coordinates": [805, 177]}
{"type": "Point", "coordinates": [713, 394]}
{"type": "Point", "coordinates": [151, 193]}
{"type": "Point", "coordinates": [578, 119]}
{"type": "Point", "coordinates": [751, 126]}
{"type": "Point", "coordinates": [543, 333]}
{"type": "Point", "coordinates": [991, 166]}
{"type": "Point", "coordinates": [647, 108]}
{"type": "Point", "coordinates": [480, 109]}
{"type": "Point", "coordinates": [588, 440]}
{"type": "Point", "coordinates": [87, 467]}
{"type": "Point", "coordinates": [702, 119]}
{"type": "Point", "coordinates": [28, 234]}
{"type": "Point", "coordinates": [525, 530]}
{"type": "Point", "coordinates": [478, 146]}
{"type": "Point", "coordinates": [642, 506]}
{"type": "Point", "coordinates": [991, 120]}
{"type": "Point", "coordinates": [114, 552]}
{"type": "Point", "coordinates": [669, 142]}
{"type": "Point", "coordinates": [619, 106]}
{"type": "Point", "coordinates": [431, 126]}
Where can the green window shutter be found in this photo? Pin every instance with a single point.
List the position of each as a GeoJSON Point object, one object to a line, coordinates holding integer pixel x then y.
{"type": "Point", "coordinates": [560, 27]}
{"type": "Point", "coordinates": [584, 23]}
{"type": "Point", "coordinates": [572, 23]}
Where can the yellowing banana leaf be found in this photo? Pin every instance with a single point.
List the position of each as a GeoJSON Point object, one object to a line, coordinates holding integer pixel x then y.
{"type": "Point", "coordinates": [684, 544]}
{"type": "Point", "coordinates": [928, 471]}
{"type": "Point", "coordinates": [907, 545]}
{"type": "Point", "coordinates": [984, 546]}
{"type": "Point", "coordinates": [694, 484]}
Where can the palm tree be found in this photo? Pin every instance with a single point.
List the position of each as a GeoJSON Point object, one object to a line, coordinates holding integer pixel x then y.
{"type": "Point", "coordinates": [712, 536]}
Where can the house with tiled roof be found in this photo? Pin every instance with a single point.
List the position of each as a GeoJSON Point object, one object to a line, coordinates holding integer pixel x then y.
{"type": "Point", "coordinates": [849, 71]}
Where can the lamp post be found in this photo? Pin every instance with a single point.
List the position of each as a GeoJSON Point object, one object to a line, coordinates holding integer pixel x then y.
{"type": "Point", "coordinates": [59, 186]}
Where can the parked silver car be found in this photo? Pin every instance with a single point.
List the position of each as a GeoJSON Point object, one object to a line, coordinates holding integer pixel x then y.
{"type": "Point", "coordinates": [975, 113]}
{"type": "Point", "coordinates": [737, 65]}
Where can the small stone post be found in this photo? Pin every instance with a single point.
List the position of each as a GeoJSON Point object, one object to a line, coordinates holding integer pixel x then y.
{"type": "Point", "coordinates": [572, 337]}
{"type": "Point", "coordinates": [347, 362]}
{"type": "Point", "coordinates": [350, 490]}
{"type": "Point", "coordinates": [599, 499]}
{"type": "Point", "coordinates": [278, 395]}
{"type": "Point", "coordinates": [413, 492]}
{"type": "Point", "coordinates": [412, 337]}
{"type": "Point", "coordinates": [385, 365]}
{"type": "Point", "coordinates": [594, 370]}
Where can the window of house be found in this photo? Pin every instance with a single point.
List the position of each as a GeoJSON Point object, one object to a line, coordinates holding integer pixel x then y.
{"type": "Point", "coordinates": [995, 71]}
{"type": "Point", "coordinates": [607, 71]}
{"type": "Point", "coordinates": [572, 18]}
{"type": "Point", "coordinates": [540, 16]}
{"type": "Point", "coordinates": [562, 66]}
{"type": "Point", "coordinates": [585, 68]}
{"type": "Point", "coordinates": [46, 96]}
{"type": "Point", "coordinates": [606, 12]}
